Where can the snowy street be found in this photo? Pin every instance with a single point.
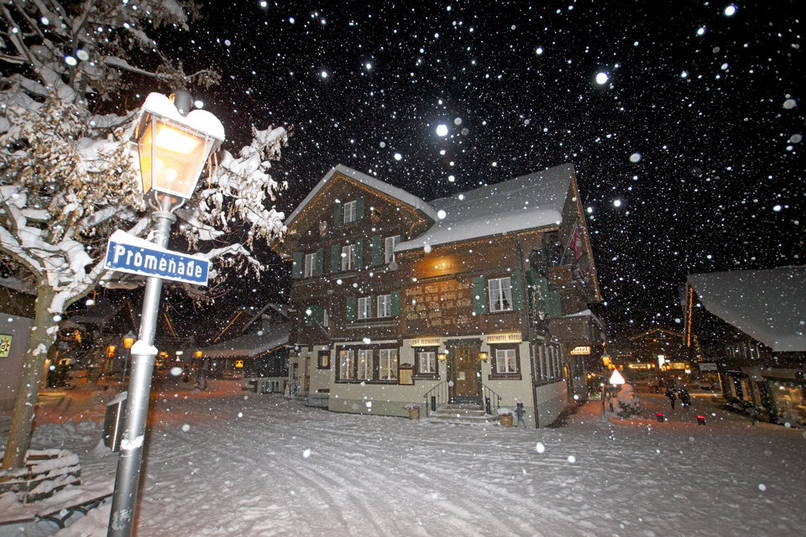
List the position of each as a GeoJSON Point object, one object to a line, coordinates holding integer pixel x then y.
{"type": "Point", "coordinates": [257, 465]}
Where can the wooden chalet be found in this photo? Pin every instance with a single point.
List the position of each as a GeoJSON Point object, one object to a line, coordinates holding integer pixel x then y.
{"type": "Point", "coordinates": [459, 306]}
{"type": "Point", "coordinates": [751, 326]}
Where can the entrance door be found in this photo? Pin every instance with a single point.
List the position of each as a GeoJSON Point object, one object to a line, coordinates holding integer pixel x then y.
{"type": "Point", "coordinates": [465, 371]}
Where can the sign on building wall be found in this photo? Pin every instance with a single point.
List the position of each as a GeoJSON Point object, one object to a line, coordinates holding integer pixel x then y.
{"type": "Point", "coordinates": [5, 346]}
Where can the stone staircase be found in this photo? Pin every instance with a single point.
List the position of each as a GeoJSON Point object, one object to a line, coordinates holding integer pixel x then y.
{"type": "Point", "coordinates": [461, 414]}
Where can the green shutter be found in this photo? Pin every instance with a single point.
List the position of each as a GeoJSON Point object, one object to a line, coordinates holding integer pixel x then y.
{"type": "Point", "coordinates": [540, 288]}
{"type": "Point", "coordinates": [296, 266]}
{"type": "Point", "coordinates": [359, 254]}
{"type": "Point", "coordinates": [479, 292]}
{"type": "Point", "coordinates": [352, 308]}
{"type": "Point", "coordinates": [308, 317]}
{"type": "Point", "coordinates": [335, 258]}
{"type": "Point", "coordinates": [553, 306]}
{"type": "Point", "coordinates": [337, 215]}
{"type": "Point", "coordinates": [318, 268]}
{"type": "Point", "coordinates": [318, 313]}
{"type": "Point", "coordinates": [394, 303]}
{"type": "Point", "coordinates": [517, 290]}
{"type": "Point", "coordinates": [359, 207]}
{"type": "Point", "coordinates": [377, 250]}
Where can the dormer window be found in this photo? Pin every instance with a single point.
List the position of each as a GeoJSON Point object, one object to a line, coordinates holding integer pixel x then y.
{"type": "Point", "coordinates": [350, 211]}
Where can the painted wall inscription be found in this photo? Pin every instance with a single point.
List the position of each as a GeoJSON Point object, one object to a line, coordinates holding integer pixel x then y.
{"type": "Point", "coordinates": [436, 305]}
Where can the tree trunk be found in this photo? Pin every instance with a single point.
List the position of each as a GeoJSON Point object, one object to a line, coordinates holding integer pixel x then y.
{"type": "Point", "coordinates": [19, 436]}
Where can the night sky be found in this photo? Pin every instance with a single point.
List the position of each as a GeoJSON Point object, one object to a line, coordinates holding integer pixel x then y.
{"type": "Point", "coordinates": [688, 156]}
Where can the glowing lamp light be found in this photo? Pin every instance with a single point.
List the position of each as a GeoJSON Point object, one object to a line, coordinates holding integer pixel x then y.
{"type": "Point", "coordinates": [128, 340]}
{"type": "Point", "coordinates": [442, 356]}
{"type": "Point", "coordinates": [174, 148]}
{"type": "Point", "coordinates": [483, 356]}
{"type": "Point", "coordinates": [198, 354]}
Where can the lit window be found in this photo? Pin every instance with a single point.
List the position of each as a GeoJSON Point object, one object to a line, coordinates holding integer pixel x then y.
{"type": "Point", "coordinates": [310, 264]}
{"type": "Point", "coordinates": [500, 294]}
{"type": "Point", "coordinates": [387, 368]}
{"type": "Point", "coordinates": [365, 364]}
{"type": "Point", "coordinates": [505, 361]}
{"type": "Point", "coordinates": [389, 248]}
{"type": "Point", "coordinates": [349, 211]}
{"type": "Point", "coordinates": [427, 362]}
{"type": "Point", "coordinates": [384, 306]}
{"type": "Point", "coordinates": [346, 365]}
{"type": "Point", "coordinates": [348, 257]}
{"type": "Point", "coordinates": [363, 307]}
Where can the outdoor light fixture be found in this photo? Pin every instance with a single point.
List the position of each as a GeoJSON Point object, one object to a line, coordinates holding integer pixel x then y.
{"type": "Point", "coordinates": [128, 340]}
{"type": "Point", "coordinates": [442, 356]}
{"type": "Point", "coordinates": [483, 356]}
{"type": "Point", "coordinates": [197, 354]}
{"type": "Point", "coordinates": [174, 148]}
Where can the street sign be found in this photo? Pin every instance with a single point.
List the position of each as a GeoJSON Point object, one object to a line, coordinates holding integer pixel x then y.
{"type": "Point", "coordinates": [127, 253]}
{"type": "Point", "coordinates": [616, 378]}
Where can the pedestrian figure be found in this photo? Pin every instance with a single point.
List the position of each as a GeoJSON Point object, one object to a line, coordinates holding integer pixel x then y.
{"type": "Point", "coordinates": [685, 398]}
{"type": "Point", "coordinates": [519, 413]}
{"type": "Point", "coordinates": [671, 395]}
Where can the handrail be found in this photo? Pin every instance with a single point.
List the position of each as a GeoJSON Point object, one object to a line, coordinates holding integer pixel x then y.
{"type": "Point", "coordinates": [436, 396]}
{"type": "Point", "coordinates": [492, 400]}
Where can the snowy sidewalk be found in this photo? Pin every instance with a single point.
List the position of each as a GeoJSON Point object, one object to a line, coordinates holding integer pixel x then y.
{"type": "Point", "coordinates": [259, 465]}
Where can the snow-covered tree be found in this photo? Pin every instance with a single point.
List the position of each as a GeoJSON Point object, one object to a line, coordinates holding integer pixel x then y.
{"type": "Point", "coordinates": [68, 176]}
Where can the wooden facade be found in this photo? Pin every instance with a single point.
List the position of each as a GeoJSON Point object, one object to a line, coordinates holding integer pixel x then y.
{"type": "Point", "coordinates": [381, 324]}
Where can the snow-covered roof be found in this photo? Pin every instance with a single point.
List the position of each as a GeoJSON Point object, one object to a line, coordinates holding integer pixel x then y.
{"type": "Point", "coordinates": [250, 344]}
{"type": "Point", "coordinates": [768, 305]}
{"type": "Point", "coordinates": [530, 201]}
{"type": "Point", "coordinates": [377, 184]}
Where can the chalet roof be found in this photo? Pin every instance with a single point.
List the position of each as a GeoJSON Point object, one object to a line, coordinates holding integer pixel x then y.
{"type": "Point", "coordinates": [377, 184]}
{"type": "Point", "coordinates": [530, 201]}
{"type": "Point", "coordinates": [250, 344]}
{"type": "Point", "coordinates": [768, 305]}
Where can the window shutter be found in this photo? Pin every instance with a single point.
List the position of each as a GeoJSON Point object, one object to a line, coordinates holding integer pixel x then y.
{"type": "Point", "coordinates": [359, 207]}
{"type": "Point", "coordinates": [359, 254]}
{"type": "Point", "coordinates": [553, 304]}
{"type": "Point", "coordinates": [296, 267]}
{"type": "Point", "coordinates": [318, 313]}
{"type": "Point", "coordinates": [337, 215]}
{"type": "Point", "coordinates": [335, 258]}
{"type": "Point", "coordinates": [377, 250]}
{"type": "Point", "coordinates": [318, 268]}
{"type": "Point", "coordinates": [308, 318]}
{"type": "Point", "coordinates": [394, 303]}
{"type": "Point", "coordinates": [517, 290]}
{"type": "Point", "coordinates": [479, 291]}
{"type": "Point", "coordinates": [352, 307]}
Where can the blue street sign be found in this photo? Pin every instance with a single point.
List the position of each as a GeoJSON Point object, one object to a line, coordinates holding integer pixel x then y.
{"type": "Point", "coordinates": [127, 253]}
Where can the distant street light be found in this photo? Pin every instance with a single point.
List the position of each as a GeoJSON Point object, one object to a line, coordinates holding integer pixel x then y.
{"type": "Point", "coordinates": [174, 145]}
{"type": "Point", "coordinates": [127, 340]}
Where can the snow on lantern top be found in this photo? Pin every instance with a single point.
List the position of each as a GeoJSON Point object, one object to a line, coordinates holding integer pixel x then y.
{"type": "Point", "coordinates": [174, 148]}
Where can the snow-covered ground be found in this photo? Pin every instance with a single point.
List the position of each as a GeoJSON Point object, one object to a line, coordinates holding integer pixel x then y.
{"type": "Point", "coordinates": [228, 463]}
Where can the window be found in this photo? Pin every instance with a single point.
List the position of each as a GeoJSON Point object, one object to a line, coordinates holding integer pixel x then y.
{"type": "Point", "coordinates": [349, 211]}
{"type": "Point", "coordinates": [365, 364]}
{"type": "Point", "coordinates": [346, 364]}
{"type": "Point", "coordinates": [389, 248]}
{"type": "Point", "coordinates": [388, 364]}
{"type": "Point", "coordinates": [348, 257]}
{"type": "Point", "coordinates": [384, 306]}
{"type": "Point", "coordinates": [426, 363]}
{"type": "Point", "coordinates": [310, 265]}
{"type": "Point", "coordinates": [505, 361]}
{"type": "Point", "coordinates": [363, 307]}
{"type": "Point", "coordinates": [500, 294]}
{"type": "Point", "coordinates": [324, 360]}
{"type": "Point", "coordinates": [547, 363]}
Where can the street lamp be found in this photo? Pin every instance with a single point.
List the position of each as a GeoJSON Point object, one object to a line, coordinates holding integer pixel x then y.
{"type": "Point", "coordinates": [173, 145]}
{"type": "Point", "coordinates": [127, 340]}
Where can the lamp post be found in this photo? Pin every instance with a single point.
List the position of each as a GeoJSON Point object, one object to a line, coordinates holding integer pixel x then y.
{"type": "Point", "coordinates": [127, 340]}
{"type": "Point", "coordinates": [201, 380]}
{"type": "Point", "coordinates": [173, 145]}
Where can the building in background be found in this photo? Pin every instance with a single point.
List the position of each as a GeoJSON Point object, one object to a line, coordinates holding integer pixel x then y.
{"type": "Point", "coordinates": [468, 303]}
{"type": "Point", "coordinates": [752, 325]}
